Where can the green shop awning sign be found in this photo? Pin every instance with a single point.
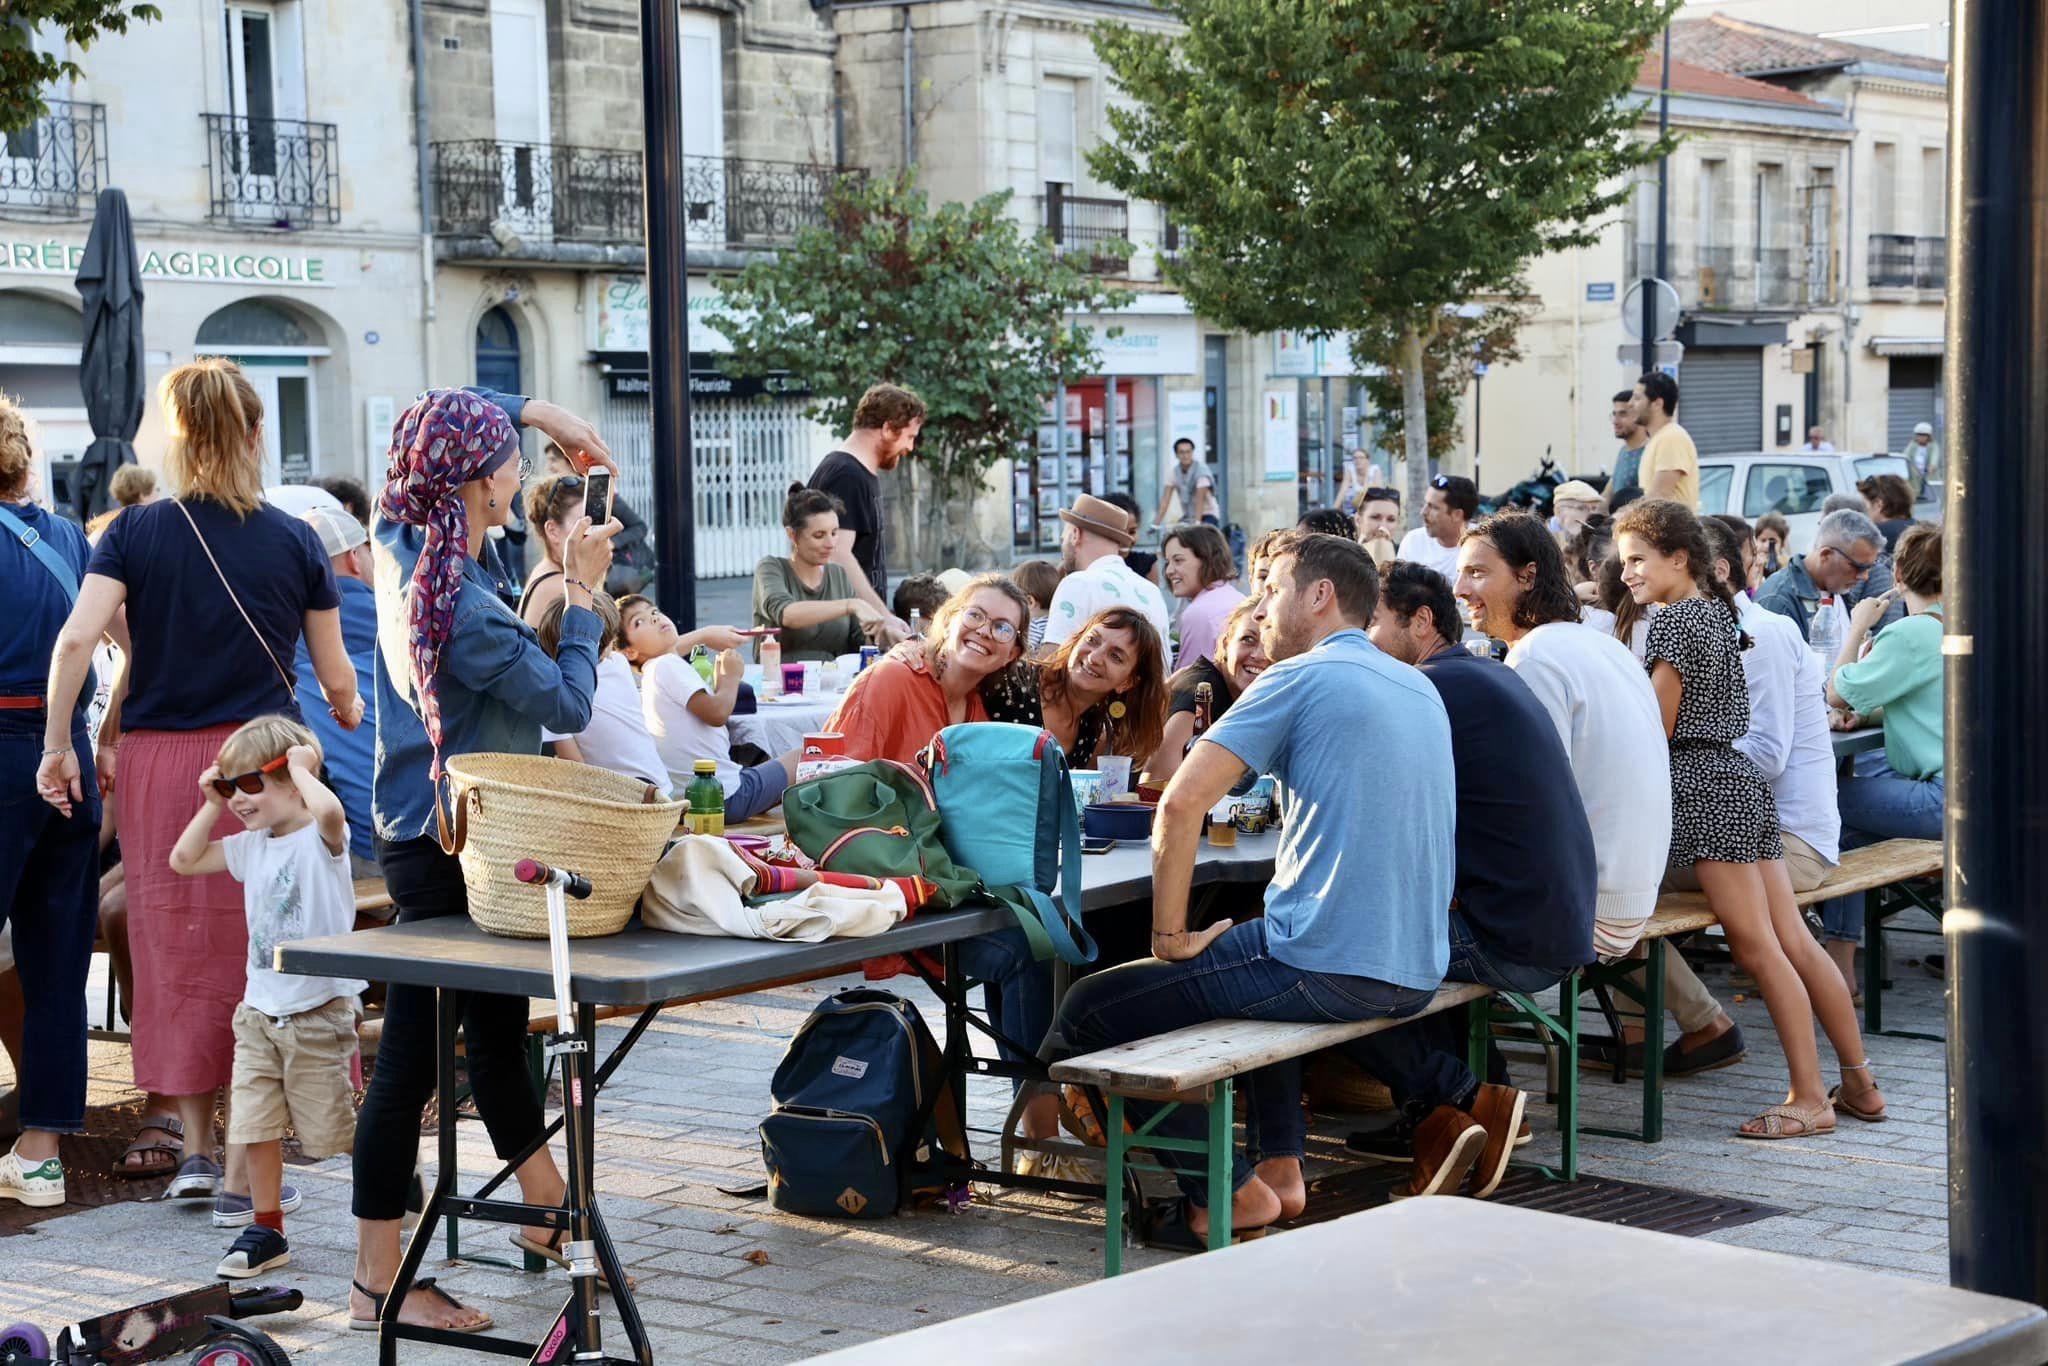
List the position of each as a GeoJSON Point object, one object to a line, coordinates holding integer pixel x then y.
{"type": "Point", "coordinates": [226, 264]}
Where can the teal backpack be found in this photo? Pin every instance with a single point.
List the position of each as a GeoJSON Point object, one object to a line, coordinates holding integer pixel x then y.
{"type": "Point", "coordinates": [1005, 795]}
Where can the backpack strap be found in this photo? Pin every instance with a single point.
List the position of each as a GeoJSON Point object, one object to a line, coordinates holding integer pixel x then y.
{"type": "Point", "coordinates": [32, 541]}
{"type": "Point", "coordinates": [1050, 929]}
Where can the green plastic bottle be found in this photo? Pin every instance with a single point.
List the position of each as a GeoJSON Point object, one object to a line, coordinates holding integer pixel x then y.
{"type": "Point", "coordinates": [705, 798]}
{"type": "Point", "coordinates": [703, 663]}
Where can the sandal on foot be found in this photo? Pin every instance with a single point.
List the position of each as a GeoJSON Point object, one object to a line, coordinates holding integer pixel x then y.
{"type": "Point", "coordinates": [1843, 1107]}
{"type": "Point", "coordinates": [1780, 1120]}
{"type": "Point", "coordinates": [1168, 1229]}
{"type": "Point", "coordinates": [549, 1249]}
{"type": "Point", "coordinates": [426, 1283]}
{"type": "Point", "coordinates": [157, 1159]}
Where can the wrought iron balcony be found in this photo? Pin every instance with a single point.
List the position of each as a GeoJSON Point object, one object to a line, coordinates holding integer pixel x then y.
{"type": "Point", "coordinates": [56, 165]}
{"type": "Point", "coordinates": [734, 202]}
{"type": "Point", "coordinates": [1902, 261]}
{"type": "Point", "coordinates": [284, 172]}
{"type": "Point", "coordinates": [538, 191]}
{"type": "Point", "coordinates": [1090, 232]}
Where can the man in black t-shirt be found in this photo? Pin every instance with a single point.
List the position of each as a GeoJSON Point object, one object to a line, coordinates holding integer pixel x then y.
{"type": "Point", "coordinates": [886, 422]}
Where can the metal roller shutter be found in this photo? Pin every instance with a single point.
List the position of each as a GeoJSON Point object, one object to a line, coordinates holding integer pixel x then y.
{"type": "Point", "coordinates": [1914, 382]}
{"type": "Point", "coordinates": [1721, 399]}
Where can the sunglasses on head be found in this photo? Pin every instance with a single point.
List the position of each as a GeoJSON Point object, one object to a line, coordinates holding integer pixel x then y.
{"type": "Point", "coordinates": [251, 782]}
{"type": "Point", "coordinates": [1383, 496]}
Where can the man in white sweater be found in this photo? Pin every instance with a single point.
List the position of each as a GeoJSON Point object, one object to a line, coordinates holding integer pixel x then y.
{"type": "Point", "coordinates": [1511, 577]}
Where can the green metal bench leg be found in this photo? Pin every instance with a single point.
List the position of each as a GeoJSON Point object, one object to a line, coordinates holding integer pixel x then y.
{"type": "Point", "coordinates": [1653, 1045]}
{"type": "Point", "coordinates": [1874, 914]}
{"type": "Point", "coordinates": [1568, 1075]}
{"type": "Point", "coordinates": [1222, 1147]}
{"type": "Point", "coordinates": [1113, 1191]}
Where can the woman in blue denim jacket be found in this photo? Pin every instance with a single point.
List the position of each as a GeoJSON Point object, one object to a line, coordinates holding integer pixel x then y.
{"type": "Point", "coordinates": [457, 673]}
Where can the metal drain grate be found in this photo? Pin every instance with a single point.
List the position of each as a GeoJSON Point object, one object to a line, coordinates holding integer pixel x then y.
{"type": "Point", "coordinates": [1605, 1201]}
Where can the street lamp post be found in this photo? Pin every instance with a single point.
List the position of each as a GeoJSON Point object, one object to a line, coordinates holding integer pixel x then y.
{"type": "Point", "coordinates": [1996, 922]}
{"type": "Point", "coordinates": [668, 340]}
{"type": "Point", "coordinates": [1663, 211]}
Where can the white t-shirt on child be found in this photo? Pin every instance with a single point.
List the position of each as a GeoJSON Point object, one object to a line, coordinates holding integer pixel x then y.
{"type": "Point", "coordinates": [617, 736]}
{"type": "Point", "coordinates": [292, 888]}
{"type": "Point", "coordinates": [667, 684]}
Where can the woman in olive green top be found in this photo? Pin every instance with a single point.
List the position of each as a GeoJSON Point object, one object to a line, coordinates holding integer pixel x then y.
{"type": "Point", "coordinates": [804, 594]}
{"type": "Point", "coordinates": [1903, 797]}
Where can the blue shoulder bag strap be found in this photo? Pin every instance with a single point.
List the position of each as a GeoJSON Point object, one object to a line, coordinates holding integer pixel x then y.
{"type": "Point", "coordinates": [33, 542]}
{"type": "Point", "coordinates": [1067, 936]}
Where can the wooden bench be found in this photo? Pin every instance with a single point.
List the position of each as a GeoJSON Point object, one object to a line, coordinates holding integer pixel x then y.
{"type": "Point", "coordinates": [1199, 1065]}
{"type": "Point", "coordinates": [1873, 868]}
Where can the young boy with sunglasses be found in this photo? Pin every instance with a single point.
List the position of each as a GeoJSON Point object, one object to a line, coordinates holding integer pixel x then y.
{"type": "Point", "coordinates": [294, 1036]}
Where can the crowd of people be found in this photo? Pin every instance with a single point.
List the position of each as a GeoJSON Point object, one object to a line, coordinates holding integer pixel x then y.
{"type": "Point", "coordinates": [1554, 720]}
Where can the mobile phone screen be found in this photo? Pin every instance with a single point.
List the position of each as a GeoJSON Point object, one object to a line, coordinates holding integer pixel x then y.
{"type": "Point", "coordinates": [597, 496]}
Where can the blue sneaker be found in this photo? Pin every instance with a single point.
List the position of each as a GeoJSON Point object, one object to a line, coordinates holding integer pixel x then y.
{"type": "Point", "coordinates": [238, 1211]}
{"type": "Point", "coordinates": [256, 1251]}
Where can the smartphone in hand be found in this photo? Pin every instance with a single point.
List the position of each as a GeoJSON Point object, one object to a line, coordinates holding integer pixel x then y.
{"type": "Point", "coordinates": [597, 496]}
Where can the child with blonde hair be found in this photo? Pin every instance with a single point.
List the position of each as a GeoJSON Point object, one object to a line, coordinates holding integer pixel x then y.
{"type": "Point", "coordinates": [294, 1036]}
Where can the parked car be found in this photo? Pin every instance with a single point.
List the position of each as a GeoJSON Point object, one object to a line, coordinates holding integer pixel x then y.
{"type": "Point", "coordinates": [1793, 484]}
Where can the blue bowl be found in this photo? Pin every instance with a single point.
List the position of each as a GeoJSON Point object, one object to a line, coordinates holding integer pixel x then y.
{"type": "Point", "coordinates": [1118, 820]}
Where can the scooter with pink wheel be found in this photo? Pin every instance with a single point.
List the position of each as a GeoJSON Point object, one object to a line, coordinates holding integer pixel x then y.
{"type": "Point", "coordinates": [199, 1327]}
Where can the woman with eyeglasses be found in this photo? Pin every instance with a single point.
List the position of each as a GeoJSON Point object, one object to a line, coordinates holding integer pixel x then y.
{"type": "Point", "coordinates": [217, 587]}
{"type": "Point", "coordinates": [893, 710]}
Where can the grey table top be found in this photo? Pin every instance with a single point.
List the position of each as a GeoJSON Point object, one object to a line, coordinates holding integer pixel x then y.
{"type": "Point", "coordinates": [639, 966]}
{"type": "Point", "coordinates": [1464, 1282]}
{"type": "Point", "coordinates": [1848, 742]}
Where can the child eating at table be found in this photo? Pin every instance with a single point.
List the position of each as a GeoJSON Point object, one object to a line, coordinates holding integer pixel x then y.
{"type": "Point", "coordinates": [294, 1036]}
{"type": "Point", "coordinates": [686, 715]}
{"type": "Point", "coordinates": [616, 737]}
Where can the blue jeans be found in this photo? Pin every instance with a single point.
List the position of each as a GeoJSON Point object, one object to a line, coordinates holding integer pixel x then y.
{"type": "Point", "coordinates": [1017, 987]}
{"type": "Point", "coordinates": [1423, 1063]}
{"type": "Point", "coordinates": [50, 897]}
{"type": "Point", "coordinates": [1235, 978]}
{"type": "Point", "coordinates": [1880, 804]}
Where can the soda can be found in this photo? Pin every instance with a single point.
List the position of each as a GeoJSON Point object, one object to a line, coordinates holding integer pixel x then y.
{"type": "Point", "coordinates": [868, 655]}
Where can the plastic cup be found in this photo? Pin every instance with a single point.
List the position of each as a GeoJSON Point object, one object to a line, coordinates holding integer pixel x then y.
{"type": "Point", "coordinates": [793, 677]}
{"type": "Point", "coordinates": [1087, 788]}
{"type": "Point", "coordinates": [1116, 775]}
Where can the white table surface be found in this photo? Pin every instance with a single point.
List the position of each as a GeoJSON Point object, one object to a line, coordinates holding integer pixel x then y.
{"type": "Point", "coordinates": [780, 724]}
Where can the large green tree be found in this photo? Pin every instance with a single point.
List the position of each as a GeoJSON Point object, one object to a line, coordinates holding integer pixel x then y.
{"type": "Point", "coordinates": [24, 71]}
{"type": "Point", "coordinates": [957, 301]}
{"type": "Point", "coordinates": [1456, 345]}
{"type": "Point", "coordinates": [1345, 164]}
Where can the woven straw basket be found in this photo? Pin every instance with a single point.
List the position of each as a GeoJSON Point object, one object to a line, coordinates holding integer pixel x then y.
{"type": "Point", "coordinates": [610, 829]}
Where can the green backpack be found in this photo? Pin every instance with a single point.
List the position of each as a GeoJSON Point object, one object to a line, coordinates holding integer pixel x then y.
{"type": "Point", "coordinates": [878, 819]}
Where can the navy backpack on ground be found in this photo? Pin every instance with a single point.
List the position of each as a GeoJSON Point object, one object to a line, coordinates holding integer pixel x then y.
{"type": "Point", "coordinates": [857, 1104]}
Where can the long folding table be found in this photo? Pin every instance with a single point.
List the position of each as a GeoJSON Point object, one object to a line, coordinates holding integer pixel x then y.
{"type": "Point", "coordinates": [648, 969]}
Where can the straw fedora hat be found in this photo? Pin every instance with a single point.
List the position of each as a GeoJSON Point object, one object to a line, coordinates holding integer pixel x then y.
{"type": "Point", "coordinates": [1105, 519]}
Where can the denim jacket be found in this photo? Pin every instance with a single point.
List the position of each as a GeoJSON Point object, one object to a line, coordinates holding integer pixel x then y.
{"type": "Point", "coordinates": [498, 687]}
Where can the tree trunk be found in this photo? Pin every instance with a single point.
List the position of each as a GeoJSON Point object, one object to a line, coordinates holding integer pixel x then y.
{"type": "Point", "coordinates": [1414, 425]}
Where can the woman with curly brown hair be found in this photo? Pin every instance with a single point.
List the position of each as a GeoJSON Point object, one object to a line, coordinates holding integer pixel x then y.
{"type": "Point", "coordinates": [1724, 820]}
{"type": "Point", "coordinates": [1101, 691]}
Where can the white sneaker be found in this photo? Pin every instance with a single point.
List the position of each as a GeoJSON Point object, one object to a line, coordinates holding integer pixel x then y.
{"type": "Point", "coordinates": [39, 1185]}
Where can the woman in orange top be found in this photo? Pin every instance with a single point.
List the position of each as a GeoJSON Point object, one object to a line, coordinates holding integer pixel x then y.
{"type": "Point", "coordinates": [895, 707]}
{"type": "Point", "coordinates": [892, 711]}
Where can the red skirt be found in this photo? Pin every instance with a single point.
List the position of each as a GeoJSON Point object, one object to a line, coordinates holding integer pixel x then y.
{"type": "Point", "coordinates": [188, 935]}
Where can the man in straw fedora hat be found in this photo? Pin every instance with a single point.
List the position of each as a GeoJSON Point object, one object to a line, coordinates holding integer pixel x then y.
{"type": "Point", "coordinates": [1096, 577]}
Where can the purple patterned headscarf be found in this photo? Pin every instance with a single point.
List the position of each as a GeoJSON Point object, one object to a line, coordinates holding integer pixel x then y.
{"type": "Point", "coordinates": [445, 439]}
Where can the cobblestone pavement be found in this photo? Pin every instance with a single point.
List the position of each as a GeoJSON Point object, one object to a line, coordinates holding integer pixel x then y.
{"type": "Point", "coordinates": [679, 1122]}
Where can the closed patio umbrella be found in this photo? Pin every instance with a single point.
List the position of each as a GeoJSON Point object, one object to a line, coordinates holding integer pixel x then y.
{"type": "Point", "coordinates": [110, 367]}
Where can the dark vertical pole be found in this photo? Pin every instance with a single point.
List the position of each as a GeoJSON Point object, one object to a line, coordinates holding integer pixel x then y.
{"type": "Point", "coordinates": [668, 340]}
{"type": "Point", "coordinates": [1997, 761]}
{"type": "Point", "coordinates": [1663, 212]}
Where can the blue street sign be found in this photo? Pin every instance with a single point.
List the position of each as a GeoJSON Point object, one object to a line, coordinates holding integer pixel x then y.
{"type": "Point", "coordinates": [1600, 292]}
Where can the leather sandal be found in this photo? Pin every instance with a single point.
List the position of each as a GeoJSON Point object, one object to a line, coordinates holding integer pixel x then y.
{"type": "Point", "coordinates": [426, 1283]}
{"type": "Point", "coordinates": [1789, 1121]}
{"type": "Point", "coordinates": [1843, 1107]}
{"type": "Point", "coordinates": [150, 1168]}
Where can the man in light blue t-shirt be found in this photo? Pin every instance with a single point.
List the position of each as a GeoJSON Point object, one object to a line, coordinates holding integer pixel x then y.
{"type": "Point", "coordinates": [1357, 912]}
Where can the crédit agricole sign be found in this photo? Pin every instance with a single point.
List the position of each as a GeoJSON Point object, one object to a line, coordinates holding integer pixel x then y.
{"type": "Point", "coordinates": [226, 265]}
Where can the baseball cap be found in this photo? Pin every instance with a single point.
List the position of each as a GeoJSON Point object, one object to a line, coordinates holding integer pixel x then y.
{"type": "Point", "coordinates": [339, 533]}
{"type": "Point", "coordinates": [1576, 490]}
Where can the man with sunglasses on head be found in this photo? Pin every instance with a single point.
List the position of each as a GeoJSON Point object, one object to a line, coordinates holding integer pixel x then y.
{"type": "Point", "coordinates": [1447, 509]}
{"type": "Point", "coordinates": [1845, 550]}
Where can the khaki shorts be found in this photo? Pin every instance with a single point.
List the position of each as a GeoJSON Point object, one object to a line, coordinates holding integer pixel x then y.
{"type": "Point", "coordinates": [295, 1071]}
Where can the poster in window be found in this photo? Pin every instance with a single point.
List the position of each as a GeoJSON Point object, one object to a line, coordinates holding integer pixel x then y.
{"type": "Point", "coordinates": [1280, 409]}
